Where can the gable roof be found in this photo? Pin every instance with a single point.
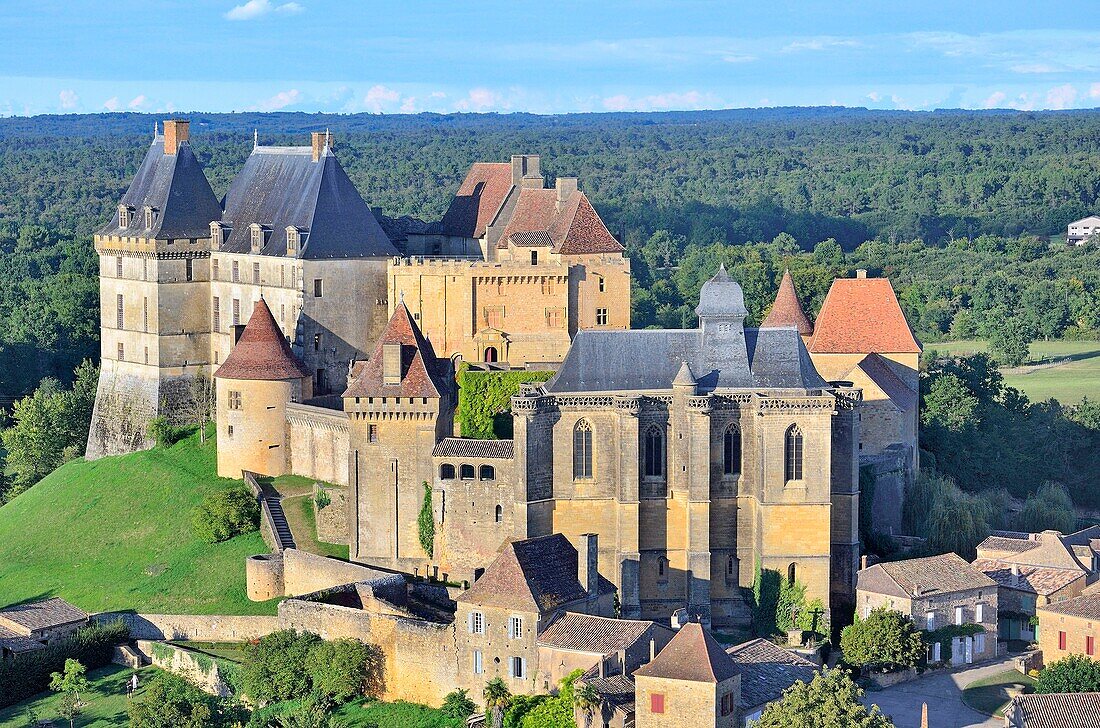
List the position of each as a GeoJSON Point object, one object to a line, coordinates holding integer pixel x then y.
{"type": "Point", "coordinates": [787, 309]}
{"type": "Point", "coordinates": [422, 373]}
{"type": "Point", "coordinates": [262, 352]}
{"type": "Point", "coordinates": [573, 225]}
{"type": "Point", "coordinates": [941, 574]}
{"type": "Point", "coordinates": [1033, 579]}
{"type": "Point", "coordinates": [1054, 710]}
{"type": "Point", "coordinates": [879, 372]}
{"type": "Point", "coordinates": [1052, 550]}
{"type": "Point", "coordinates": [599, 635]}
{"type": "Point", "coordinates": [767, 670]}
{"type": "Point", "coordinates": [280, 187]}
{"type": "Point", "coordinates": [691, 655]}
{"type": "Point", "coordinates": [1090, 220]}
{"type": "Point", "coordinates": [478, 198]}
{"type": "Point", "coordinates": [175, 186]}
{"type": "Point", "coordinates": [33, 616]}
{"type": "Point", "coordinates": [861, 316]}
{"type": "Point", "coordinates": [534, 575]}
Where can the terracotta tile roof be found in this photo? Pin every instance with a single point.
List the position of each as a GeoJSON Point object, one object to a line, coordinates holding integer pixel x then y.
{"type": "Point", "coordinates": [422, 373]}
{"type": "Point", "coordinates": [262, 351]}
{"type": "Point", "coordinates": [876, 368]}
{"type": "Point", "coordinates": [1033, 579]}
{"type": "Point", "coordinates": [767, 670]}
{"type": "Point", "coordinates": [478, 199]}
{"type": "Point", "coordinates": [460, 447]}
{"type": "Point", "coordinates": [787, 309]}
{"type": "Point", "coordinates": [1087, 606]}
{"type": "Point", "coordinates": [862, 315]}
{"type": "Point", "coordinates": [573, 226]}
{"type": "Point", "coordinates": [1052, 550]}
{"type": "Point", "coordinates": [599, 635]}
{"type": "Point", "coordinates": [691, 655]}
{"type": "Point", "coordinates": [33, 616]}
{"type": "Point", "coordinates": [941, 574]}
{"type": "Point", "coordinates": [1007, 543]}
{"type": "Point", "coordinates": [1054, 710]}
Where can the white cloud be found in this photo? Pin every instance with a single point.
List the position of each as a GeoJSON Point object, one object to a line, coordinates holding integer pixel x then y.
{"type": "Point", "coordinates": [379, 97]}
{"type": "Point", "coordinates": [994, 100]}
{"type": "Point", "coordinates": [438, 95]}
{"type": "Point", "coordinates": [259, 8]}
{"type": "Point", "coordinates": [112, 104]}
{"type": "Point", "coordinates": [68, 99]}
{"type": "Point", "coordinates": [659, 102]}
{"type": "Point", "coordinates": [1061, 97]}
{"type": "Point", "coordinates": [408, 106]}
{"type": "Point", "coordinates": [137, 102]}
{"type": "Point", "coordinates": [480, 99]}
{"type": "Point", "coordinates": [1035, 68]}
{"type": "Point", "coordinates": [1094, 91]}
{"type": "Point", "coordinates": [874, 96]}
{"type": "Point", "coordinates": [280, 100]}
{"type": "Point", "coordinates": [818, 44]}
{"type": "Point", "coordinates": [735, 58]}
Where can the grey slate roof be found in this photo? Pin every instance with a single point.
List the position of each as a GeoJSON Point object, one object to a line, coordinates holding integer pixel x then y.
{"type": "Point", "coordinates": [1054, 710]}
{"type": "Point", "coordinates": [941, 574]}
{"type": "Point", "coordinates": [45, 614]}
{"type": "Point", "coordinates": [458, 447]}
{"type": "Point", "coordinates": [175, 186]}
{"type": "Point", "coordinates": [617, 691]}
{"type": "Point", "coordinates": [599, 635]}
{"type": "Point", "coordinates": [767, 670]}
{"type": "Point", "coordinates": [283, 186]}
{"type": "Point", "coordinates": [17, 643]}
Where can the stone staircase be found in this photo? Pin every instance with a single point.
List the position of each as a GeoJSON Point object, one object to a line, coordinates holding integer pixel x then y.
{"type": "Point", "coordinates": [278, 521]}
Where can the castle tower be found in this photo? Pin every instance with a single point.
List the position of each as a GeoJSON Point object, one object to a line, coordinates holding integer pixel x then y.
{"type": "Point", "coordinates": [400, 403]}
{"type": "Point", "coordinates": [254, 384]}
{"type": "Point", "coordinates": [154, 283]}
{"type": "Point", "coordinates": [787, 310]}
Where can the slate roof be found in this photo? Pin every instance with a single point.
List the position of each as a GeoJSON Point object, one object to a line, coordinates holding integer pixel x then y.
{"type": "Point", "coordinates": [175, 186]}
{"type": "Point", "coordinates": [876, 368]}
{"type": "Point", "coordinates": [860, 316]}
{"type": "Point", "coordinates": [478, 199]}
{"type": "Point", "coordinates": [422, 373]}
{"type": "Point", "coordinates": [282, 186]}
{"type": "Point", "coordinates": [1053, 550]}
{"type": "Point", "coordinates": [460, 447]}
{"type": "Point", "coordinates": [787, 309]}
{"type": "Point", "coordinates": [1054, 710]}
{"type": "Point", "coordinates": [17, 643]}
{"type": "Point", "coordinates": [262, 352]}
{"type": "Point", "coordinates": [45, 614]}
{"type": "Point", "coordinates": [1034, 579]}
{"type": "Point", "coordinates": [767, 670]}
{"type": "Point", "coordinates": [691, 655]}
{"type": "Point", "coordinates": [534, 575]}
{"type": "Point", "coordinates": [1086, 606]}
{"type": "Point", "coordinates": [599, 635]}
{"type": "Point", "coordinates": [941, 574]}
{"type": "Point", "coordinates": [573, 226]}
{"type": "Point", "coordinates": [1006, 543]}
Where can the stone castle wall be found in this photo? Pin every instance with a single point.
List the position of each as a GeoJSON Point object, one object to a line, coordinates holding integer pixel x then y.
{"type": "Point", "coordinates": [203, 628]}
{"type": "Point", "coordinates": [318, 443]}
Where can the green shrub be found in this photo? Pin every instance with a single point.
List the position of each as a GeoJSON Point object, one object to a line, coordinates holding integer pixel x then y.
{"type": "Point", "coordinates": [275, 667]}
{"type": "Point", "coordinates": [322, 499]}
{"type": "Point", "coordinates": [457, 704]}
{"type": "Point", "coordinates": [169, 701]}
{"type": "Point", "coordinates": [425, 522]}
{"type": "Point", "coordinates": [485, 398]}
{"type": "Point", "coordinates": [160, 431]}
{"type": "Point", "coordinates": [885, 639]}
{"type": "Point", "coordinates": [225, 514]}
{"type": "Point", "coordinates": [1073, 674]}
{"type": "Point", "coordinates": [344, 669]}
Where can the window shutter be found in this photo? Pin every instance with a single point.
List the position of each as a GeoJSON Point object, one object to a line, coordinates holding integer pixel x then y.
{"type": "Point", "coordinates": [523, 667]}
{"type": "Point", "coordinates": [470, 622]}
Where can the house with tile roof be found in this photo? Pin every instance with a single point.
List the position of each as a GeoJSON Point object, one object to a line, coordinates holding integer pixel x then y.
{"type": "Point", "coordinates": [601, 646]}
{"type": "Point", "coordinates": [1053, 710]}
{"type": "Point", "coordinates": [32, 626]}
{"type": "Point", "coordinates": [767, 670]}
{"type": "Point", "coordinates": [1082, 231]}
{"type": "Point", "coordinates": [1070, 627]}
{"type": "Point", "coordinates": [936, 592]}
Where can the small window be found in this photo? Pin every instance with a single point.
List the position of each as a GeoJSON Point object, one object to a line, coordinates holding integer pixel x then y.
{"type": "Point", "coordinates": [216, 235]}
{"type": "Point", "coordinates": [229, 430]}
{"type": "Point", "coordinates": [601, 317]}
{"type": "Point", "coordinates": [517, 668]}
{"type": "Point", "coordinates": [216, 315]}
{"type": "Point", "coordinates": [467, 471]}
{"type": "Point", "coordinates": [318, 287]}
{"type": "Point", "coordinates": [148, 218]}
{"type": "Point", "coordinates": [792, 453]}
{"type": "Point", "coordinates": [792, 573]}
{"type": "Point", "coordinates": [235, 276]}
{"type": "Point", "coordinates": [236, 310]}
{"type": "Point", "coordinates": [291, 240]}
{"type": "Point", "coordinates": [499, 514]}
{"type": "Point", "coordinates": [256, 273]}
{"type": "Point", "coordinates": [662, 566]}
{"type": "Point", "coordinates": [1090, 645]}
{"type": "Point", "coordinates": [257, 234]}
{"type": "Point", "coordinates": [446, 471]}
{"type": "Point", "coordinates": [515, 628]}
{"type": "Point", "coordinates": [144, 269]}
{"type": "Point", "coordinates": [476, 623]}
{"type": "Point", "coordinates": [731, 565]}
{"type": "Point", "coordinates": [145, 315]}
{"type": "Point", "coordinates": [727, 704]}
{"type": "Point", "coordinates": [656, 703]}
{"type": "Point", "coordinates": [317, 342]}
{"type": "Point", "coordinates": [234, 400]}
{"type": "Point", "coordinates": [1061, 640]}
{"type": "Point", "coordinates": [958, 615]}
{"type": "Point", "coordinates": [534, 257]}
{"type": "Point", "coordinates": [214, 270]}
{"type": "Point", "coordinates": [478, 666]}
{"type": "Point", "coordinates": [123, 216]}
{"type": "Point", "coordinates": [147, 355]}
{"type": "Point", "coordinates": [487, 472]}
{"type": "Point", "coordinates": [979, 613]}
{"type": "Point", "coordinates": [121, 351]}
{"type": "Point", "coordinates": [601, 282]}
{"type": "Point", "coordinates": [189, 269]}
{"type": "Point", "coordinates": [372, 433]}
{"type": "Point", "coordinates": [118, 266]}
{"type": "Point", "coordinates": [119, 311]}
{"type": "Point", "coordinates": [930, 621]}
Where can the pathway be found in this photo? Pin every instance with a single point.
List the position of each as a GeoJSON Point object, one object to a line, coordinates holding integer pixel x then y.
{"type": "Point", "coordinates": [942, 691]}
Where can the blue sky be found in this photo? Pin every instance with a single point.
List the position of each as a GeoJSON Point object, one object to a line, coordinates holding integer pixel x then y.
{"type": "Point", "coordinates": [546, 57]}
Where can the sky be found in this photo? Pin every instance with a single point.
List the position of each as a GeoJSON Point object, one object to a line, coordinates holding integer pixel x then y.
{"type": "Point", "coordinates": [407, 56]}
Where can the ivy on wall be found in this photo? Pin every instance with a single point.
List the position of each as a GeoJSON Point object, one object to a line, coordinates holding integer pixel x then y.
{"type": "Point", "coordinates": [485, 400]}
{"type": "Point", "coordinates": [425, 522]}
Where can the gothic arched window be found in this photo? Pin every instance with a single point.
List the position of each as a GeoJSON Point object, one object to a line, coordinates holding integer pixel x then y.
{"type": "Point", "coordinates": [731, 451]}
{"type": "Point", "coordinates": [654, 451]}
{"type": "Point", "coordinates": [792, 574]}
{"type": "Point", "coordinates": [792, 453]}
{"type": "Point", "coordinates": [582, 450]}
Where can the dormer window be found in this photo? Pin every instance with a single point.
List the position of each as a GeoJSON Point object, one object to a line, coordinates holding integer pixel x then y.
{"type": "Point", "coordinates": [292, 240]}
{"type": "Point", "coordinates": [150, 217]}
{"type": "Point", "coordinates": [123, 216]}
{"type": "Point", "coordinates": [217, 235]}
{"type": "Point", "coordinates": [257, 232]}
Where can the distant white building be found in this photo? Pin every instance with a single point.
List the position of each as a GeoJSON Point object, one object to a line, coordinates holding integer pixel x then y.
{"type": "Point", "coordinates": [1080, 230]}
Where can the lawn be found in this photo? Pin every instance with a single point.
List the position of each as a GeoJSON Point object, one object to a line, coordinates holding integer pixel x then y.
{"type": "Point", "coordinates": [297, 502]}
{"type": "Point", "coordinates": [115, 534]}
{"type": "Point", "coordinates": [106, 702]}
{"type": "Point", "coordinates": [376, 714]}
{"type": "Point", "coordinates": [990, 695]}
{"type": "Point", "coordinates": [1067, 382]}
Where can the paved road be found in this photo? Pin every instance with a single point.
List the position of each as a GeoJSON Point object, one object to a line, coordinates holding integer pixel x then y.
{"type": "Point", "coordinates": [943, 693]}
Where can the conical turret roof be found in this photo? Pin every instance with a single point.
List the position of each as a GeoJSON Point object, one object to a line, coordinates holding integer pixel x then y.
{"type": "Point", "coordinates": [262, 351]}
{"type": "Point", "coordinates": [685, 376]}
{"type": "Point", "coordinates": [787, 309]}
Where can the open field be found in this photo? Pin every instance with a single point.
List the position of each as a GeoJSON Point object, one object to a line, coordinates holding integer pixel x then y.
{"type": "Point", "coordinates": [115, 534]}
{"type": "Point", "coordinates": [1063, 370]}
{"type": "Point", "coordinates": [106, 701]}
{"type": "Point", "coordinates": [991, 694]}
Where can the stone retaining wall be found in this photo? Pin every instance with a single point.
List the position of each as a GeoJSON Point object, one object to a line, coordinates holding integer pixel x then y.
{"type": "Point", "coordinates": [206, 628]}
{"type": "Point", "coordinates": [202, 670]}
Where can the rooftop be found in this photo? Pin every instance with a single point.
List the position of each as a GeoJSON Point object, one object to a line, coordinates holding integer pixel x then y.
{"type": "Point", "coordinates": [879, 372]}
{"type": "Point", "coordinates": [787, 309]}
{"type": "Point", "coordinates": [262, 352]}
{"type": "Point", "coordinates": [1034, 579]}
{"type": "Point", "coordinates": [767, 670]}
{"type": "Point", "coordinates": [571, 224]}
{"type": "Point", "coordinates": [1086, 606]}
{"type": "Point", "coordinates": [458, 447]}
{"type": "Point", "coordinates": [599, 635]}
{"type": "Point", "coordinates": [941, 574]}
{"type": "Point", "coordinates": [33, 616]}
{"type": "Point", "coordinates": [692, 655]}
{"type": "Point", "coordinates": [422, 373]}
{"type": "Point", "coordinates": [861, 316]}
{"type": "Point", "coordinates": [1054, 710]}
{"type": "Point", "coordinates": [478, 199]}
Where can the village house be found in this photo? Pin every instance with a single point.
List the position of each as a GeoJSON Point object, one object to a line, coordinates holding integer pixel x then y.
{"type": "Point", "coordinates": [766, 670]}
{"type": "Point", "coordinates": [1080, 231]}
{"type": "Point", "coordinates": [939, 594]}
{"type": "Point", "coordinates": [1070, 627]}
{"type": "Point", "coordinates": [34, 625]}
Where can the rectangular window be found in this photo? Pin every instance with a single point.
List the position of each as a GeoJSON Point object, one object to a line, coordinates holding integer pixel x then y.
{"type": "Point", "coordinates": [144, 269]}
{"type": "Point", "coordinates": [979, 612]}
{"type": "Point", "coordinates": [214, 272]}
{"type": "Point", "coordinates": [145, 314]}
{"type": "Point", "coordinates": [234, 400]}
{"type": "Point", "coordinates": [256, 273]}
{"type": "Point", "coordinates": [1090, 645]}
{"type": "Point", "coordinates": [601, 317]}
{"type": "Point", "coordinates": [515, 628]}
{"type": "Point", "coordinates": [236, 312]}
{"type": "Point", "coordinates": [121, 351]}
{"type": "Point", "coordinates": [958, 615]}
{"type": "Point", "coordinates": [189, 269]}
{"type": "Point", "coordinates": [937, 652]}
{"type": "Point", "coordinates": [235, 273]}
{"type": "Point", "coordinates": [118, 311]}
{"type": "Point", "coordinates": [118, 267]}
{"type": "Point", "coordinates": [147, 355]}
{"type": "Point", "coordinates": [372, 433]}
{"type": "Point", "coordinates": [727, 703]}
{"type": "Point", "coordinates": [318, 288]}
{"type": "Point", "coordinates": [979, 642]}
{"type": "Point", "coordinates": [517, 667]}
{"type": "Point", "coordinates": [602, 282]}
{"type": "Point", "coordinates": [478, 669]}
{"type": "Point", "coordinates": [1061, 635]}
{"type": "Point", "coordinates": [656, 703]}
{"type": "Point", "coordinates": [930, 621]}
{"type": "Point", "coordinates": [476, 623]}
{"type": "Point", "coordinates": [282, 275]}
{"type": "Point", "coordinates": [534, 257]}
{"type": "Point", "coordinates": [217, 315]}
{"type": "Point", "coordinates": [316, 342]}
{"type": "Point", "coordinates": [229, 430]}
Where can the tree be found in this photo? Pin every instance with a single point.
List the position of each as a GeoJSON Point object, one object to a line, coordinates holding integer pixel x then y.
{"type": "Point", "coordinates": [313, 712]}
{"type": "Point", "coordinates": [883, 639]}
{"type": "Point", "coordinates": [457, 704]}
{"type": "Point", "coordinates": [169, 701]}
{"type": "Point", "coordinates": [425, 522]}
{"type": "Point", "coordinates": [1049, 508]}
{"type": "Point", "coordinates": [587, 701]}
{"type": "Point", "coordinates": [830, 700]}
{"type": "Point", "coordinates": [224, 514]}
{"type": "Point", "coordinates": [1010, 341]}
{"type": "Point", "coordinates": [72, 680]}
{"type": "Point", "coordinates": [343, 669]}
{"type": "Point", "coordinates": [37, 438]}
{"type": "Point", "coordinates": [497, 696]}
{"type": "Point", "coordinates": [69, 708]}
{"type": "Point", "coordinates": [275, 667]}
{"type": "Point", "coordinates": [1073, 674]}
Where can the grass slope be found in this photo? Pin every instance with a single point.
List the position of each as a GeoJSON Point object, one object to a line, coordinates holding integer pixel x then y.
{"type": "Point", "coordinates": [115, 534]}
{"type": "Point", "coordinates": [106, 702]}
{"type": "Point", "coordinates": [990, 695]}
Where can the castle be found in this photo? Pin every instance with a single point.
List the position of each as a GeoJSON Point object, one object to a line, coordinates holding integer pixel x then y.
{"type": "Point", "coordinates": [682, 460]}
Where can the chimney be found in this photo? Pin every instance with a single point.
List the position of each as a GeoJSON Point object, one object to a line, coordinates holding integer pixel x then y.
{"type": "Point", "coordinates": [588, 564]}
{"type": "Point", "coordinates": [565, 187]}
{"type": "Point", "coordinates": [863, 562]}
{"type": "Point", "coordinates": [603, 669]}
{"type": "Point", "coordinates": [319, 140]}
{"type": "Point", "coordinates": [175, 132]}
{"type": "Point", "coordinates": [1015, 575]}
{"type": "Point", "coordinates": [652, 649]}
{"type": "Point", "coordinates": [861, 272]}
{"type": "Point", "coordinates": [525, 166]}
{"type": "Point", "coordinates": [391, 363]}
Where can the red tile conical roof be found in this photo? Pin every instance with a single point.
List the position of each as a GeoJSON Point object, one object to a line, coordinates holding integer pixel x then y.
{"type": "Point", "coordinates": [262, 351]}
{"type": "Point", "coordinates": [787, 309]}
{"type": "Point", "coordinates": [691, 655]}
{"type": "Point", "coordinates": [422, 373]}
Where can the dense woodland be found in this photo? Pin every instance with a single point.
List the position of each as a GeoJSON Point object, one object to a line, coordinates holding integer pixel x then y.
{"type": "Point", "coordinates": [963, 210]}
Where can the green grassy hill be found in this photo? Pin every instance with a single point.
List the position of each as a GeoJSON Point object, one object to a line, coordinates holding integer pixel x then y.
{"type": "Point", "coordinates": [115, 534]}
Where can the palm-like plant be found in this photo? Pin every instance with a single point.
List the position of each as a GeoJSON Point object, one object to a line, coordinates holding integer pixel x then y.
{"type": "Point", "coordinates": [587, 700]}
{"type": "Point", "coordinates": [497, 697]}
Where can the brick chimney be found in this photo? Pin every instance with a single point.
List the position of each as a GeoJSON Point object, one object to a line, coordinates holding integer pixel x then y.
{"type": "Point", "coordinates": [588, 564]}
{"type": "Point", "coordinates": [319, 140]}
{"type": "Point", "coordinates": [176, 131]}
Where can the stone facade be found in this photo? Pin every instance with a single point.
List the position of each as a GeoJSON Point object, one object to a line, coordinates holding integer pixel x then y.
{"type": "Point", "coordinates": [664, 703]}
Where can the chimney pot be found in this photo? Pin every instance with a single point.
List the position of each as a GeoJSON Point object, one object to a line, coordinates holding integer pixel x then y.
{"type": "Point", "coordinates": [176, 131]}
{"type": "Point", "coordinates": [652, 649]}
{"type": "Point", "coordinates": [603, 669]}
{"type": "Point", "coordinates": [861, 273]}
{"type": "Point", "coordinates": [863, 562]}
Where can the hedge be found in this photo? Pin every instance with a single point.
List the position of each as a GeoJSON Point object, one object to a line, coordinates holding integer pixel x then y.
{"type": "Point", "coordinates": [29, 673]}
{"type": "Point", "coordinates": [485, 399]}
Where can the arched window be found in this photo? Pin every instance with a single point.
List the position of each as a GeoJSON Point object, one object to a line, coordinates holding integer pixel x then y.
{"type": "Point", "coordinates": [446, 471]}
{"type": "Point", "coordinates": [654, 449]}
{"type": "Point", "coordinates": [490, 354]}
{"type": "Point", "coordinates": [792, 453]}
{"type": "Point", "coordinates": [488, 473]}
{"type": "Point", "coordinates": [731, 451]}
{"type": "Point", "coordinates": [499, 514]}
{"type": "Point", "coordinates": [791, 573]}
{"type": "Point", "coordinates": [582, 450]}
{"type": "Point", "coordinates": [467, 471]}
